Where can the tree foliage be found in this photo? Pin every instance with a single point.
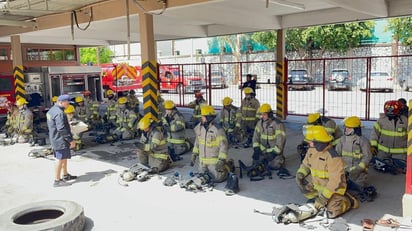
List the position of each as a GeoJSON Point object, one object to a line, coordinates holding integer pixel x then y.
{"type": "Point", "coordinates": [401, 29]}
{"type": "Point", "coordinates": [89, 55]}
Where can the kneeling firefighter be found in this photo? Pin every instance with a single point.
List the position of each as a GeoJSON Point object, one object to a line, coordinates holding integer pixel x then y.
{"type": "Point", "coordinates": [154, 150]}
{"type": "Point", "coordinates": [210, 146]}
{"type": "Point", "coordinates": [321, 176]}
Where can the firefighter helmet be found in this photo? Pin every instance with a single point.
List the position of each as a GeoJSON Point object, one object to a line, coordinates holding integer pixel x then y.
{"type": "Point", "coordinates": [54, 99]}
{"type": "Point", "coordinates": [316, 133]}
{"type": "Point", "coordinates": [169, 105]}
{"type": "Point", "coordinates": [227, 101]}
{"type": "Point", "coordinates": [352, 122]}
{"type": "Point", "coordinates": [392, 108]}
{"type": "Point", "coordinates": [21, 101]}
{"type": "Point", "coordinates": [265, 108]}
{"type": "Point", "coordinates": [87, 93]}
{"type": "Point", "coordinates": [78, 99]}
{"type": "Point", "coordinates": [145, 122]}
{"type": "Point", "coordinates": [206, 110]}
{"type": "Point", "coordinates": [109, 92]}
{"type": "Point", "coordinates": [69, 109]}
{"type": "Point", "coordinates": [248, 90]}
{"type": "Point", "coordinates": [122, 100]}
{"type": "Point", "coordinates": [313, 117]}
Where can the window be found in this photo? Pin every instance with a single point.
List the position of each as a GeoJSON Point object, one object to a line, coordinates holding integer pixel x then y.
{"type": "Point", "coordinates": [4, 54]}
{"type": "Point", "coordinates": [6, 84]}
{"type": "Point", "coordinates": [49, 54]}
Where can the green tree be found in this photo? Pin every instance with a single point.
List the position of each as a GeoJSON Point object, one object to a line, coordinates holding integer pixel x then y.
{"type": "Point", "coordinates": [89, 55]}
{"type": "Point", "coordinates": [401, 30]}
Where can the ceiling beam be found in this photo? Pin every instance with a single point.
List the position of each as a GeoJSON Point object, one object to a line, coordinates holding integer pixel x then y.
{"type": "Point", "coordinates": [376, 8]}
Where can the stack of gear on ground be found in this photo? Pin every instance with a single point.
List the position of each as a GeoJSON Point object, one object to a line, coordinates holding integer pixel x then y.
{"type": "Point", "coordinates": [138, 171]}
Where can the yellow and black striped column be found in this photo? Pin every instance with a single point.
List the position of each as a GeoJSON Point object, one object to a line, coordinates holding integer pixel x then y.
{"type": "Point", "coordinates": [280, 91]}
{"type": "Point", "coordinates": [150, 88]}
{"type": "Point", "coordinates": [18, 74]}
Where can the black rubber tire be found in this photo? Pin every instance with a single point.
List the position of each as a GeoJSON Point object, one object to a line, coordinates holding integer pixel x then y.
{"type": "Point", "coordinates": [72, 218]}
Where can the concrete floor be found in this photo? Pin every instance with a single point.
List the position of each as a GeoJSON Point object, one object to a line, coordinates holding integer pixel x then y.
{"type": "Point", "coordinates": [110, 206]}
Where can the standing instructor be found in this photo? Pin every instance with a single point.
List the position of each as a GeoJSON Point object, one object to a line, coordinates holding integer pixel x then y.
{"type": "Point", "coordinates": [60, 139]}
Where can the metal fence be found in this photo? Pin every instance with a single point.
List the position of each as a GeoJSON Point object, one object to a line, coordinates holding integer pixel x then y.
{"type": "Point", "coordinates": [218, 80]}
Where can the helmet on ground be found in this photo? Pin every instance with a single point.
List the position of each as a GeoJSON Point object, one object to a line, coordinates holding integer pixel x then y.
{"type": "Point", "coordinates": [265, 108]}
{"type": "Point", "coordinates": [248, 90]}
{"type": "Point", "coordinates": [313, 117]}
{"type": "Point", "coordinates": [352, 122]}
{"type": "Point", "coordinates": [69, 109]}
{"type": "Point", "coordinates": [145, 122]}
{"type": "Point", "coordinates": [87, 93]}
{"type": "Point", "coordinates": [122, 100]}
{"type": "Point", "coordinates": [206, 110]}
{"type": "Point", "coordinates": [109, 92]}
{"type": "Point", "coordinates": [316, 133]}
{"type": "Point", "coordinates": [227, 101]}
{"type": "Point", "coordinates": [78, 99]}
{"type": "Point", "coordinates": [392, 108]}
{"type": "Point", "coordinates": [54, 98]}
{"type": "Point", "coordinates": [169, 105]}
{"type": "Point", "coordinates": [21, 101]}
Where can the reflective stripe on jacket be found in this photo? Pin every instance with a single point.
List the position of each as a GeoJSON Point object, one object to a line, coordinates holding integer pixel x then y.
{"type": "Point", "coordinates": [390, 136]}
{"type": "Point", "coordinates": [270, 136]}
{"type": "Point", "coordinates": [211, 144]}
{"type": "Point", "coordinates": [355, 151]}
{"type": "Point", "coordinates": [155, 144]}
{"type": "Point", "coordinates": [230, 118]}
{"type": "Point", "coordinates": [177, 134]}
{"type": "Point", "coordinates": [249, 109]}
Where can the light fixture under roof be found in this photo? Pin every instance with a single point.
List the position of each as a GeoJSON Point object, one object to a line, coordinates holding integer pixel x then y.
{"type": "Point", "coordinates": [290, 4]}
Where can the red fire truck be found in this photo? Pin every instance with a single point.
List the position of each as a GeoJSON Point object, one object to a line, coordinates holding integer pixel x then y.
{"type": "Point", "coordinates": [120, 77]}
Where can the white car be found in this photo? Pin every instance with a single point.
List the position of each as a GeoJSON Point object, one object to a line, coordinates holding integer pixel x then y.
{"type": "Point", "coordinates": [379, 81]}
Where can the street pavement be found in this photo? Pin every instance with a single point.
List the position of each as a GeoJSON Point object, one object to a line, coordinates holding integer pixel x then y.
{"type": "Point", "coordinates": [109, 205]}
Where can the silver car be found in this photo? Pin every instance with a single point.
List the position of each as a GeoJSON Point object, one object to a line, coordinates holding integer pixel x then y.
{"type": "Point", "coordinates": [379, 81]}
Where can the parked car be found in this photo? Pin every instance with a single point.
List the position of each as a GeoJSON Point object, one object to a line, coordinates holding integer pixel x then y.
{"type": "Point", "coordinates": [300, 80]}
{"type": "Point", "coordinates": [339, 79]}
{"type": "Point", "coordinates": [218, 80]}
{"type": "Point", "coordinates": [380, 81]}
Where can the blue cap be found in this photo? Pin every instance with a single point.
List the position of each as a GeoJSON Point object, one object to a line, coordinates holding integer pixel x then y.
{"type": "Point", "coordinates": [63, 98]}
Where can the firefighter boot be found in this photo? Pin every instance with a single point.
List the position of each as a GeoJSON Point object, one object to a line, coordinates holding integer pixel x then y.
{"type": "Point", "coordinates": [232, 185]}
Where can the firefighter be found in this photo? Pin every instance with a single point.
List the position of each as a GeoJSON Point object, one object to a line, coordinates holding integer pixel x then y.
{"type": "Point", "coordinates": [211, 147]}
{"type": "Point", "coordinates": [195, 104]}
{"type": "Point", "coordinates": [81, 110]}
{"type": "Point", "coordinates": [404, 108]}
{"type": "Point", "coordinates": [230, 120]}
{"type": "Point", "coordinates": [154, 150]}
{"type": "Point", "coordinates": [389, 133]}
{"type": "Point", "coordinates": [110, 116]}
{"type": "Point", "coordinates": [248, 109]}
{"type": "Point", "coordinates": [269, 139]}
{"type": "Point", "coordinates": [160, 106]}
{"type": "Point", "coordinates": [92, 107]}
{"type": "Point", "coordinates": [125, 120]}
{"type": "Point", "coordinates": [24, 122]}
{"type": "Point", "coordinates": [133, 101]}
{"type": "Point", "coordinates": [10, 125]}
{"type": "Point", "coordinates": [174, 126]}
{"type": "Point", "coordinates": [321, 176]}
{"type": "Point", "coordinates": [72, 118]}
{"type": "Point", "coordinates": [355, 150]}
{"type": "Point", "coordinates": [328, 123]}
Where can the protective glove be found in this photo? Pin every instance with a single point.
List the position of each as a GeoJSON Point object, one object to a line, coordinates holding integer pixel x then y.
{"type": "Point", "coordinates": [374, 150]}
{"type": "Point", "coordinates": [300, 181]}
{"type": "Point", "coordinates": [193, 160]}
{"type": "Point", "coordinates": [220, 165]}
{"type": "Point", "coordinates": [320, 202]}
{"type": "Point", "coordinates": [256, 153]}
{"type": "Point", "coordinates": [355, 171]}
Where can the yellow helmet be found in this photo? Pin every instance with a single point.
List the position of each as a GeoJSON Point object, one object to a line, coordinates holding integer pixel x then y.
{"type": "Point", "coordinates": [248, 90]}
{"type": "Point", "coordinates": [227, 101]}
{"type": "Point", "coordinates": [78, 99]}
{"type": "Point", "coordinates": [206, 110]}
{"type": "Point", "coordinates": [316, 133]}
{"type": "Point", "coordinates": [69, 109]}
{"type": "Point", "coordinates": [265, 108]}
{"type": "Point", "coordinates": [313, 117]}
{"type": "Point", "coordinates": [122, 100]}
{"type": "Point", "coordinates": [352, 122]}
{"type": "Point", "coordinates": [144, 122]}
{"type": "Point", "coordinates": [54, 98]}
{"type": "Point", "coordinates": [21, 101]}
{"type": "Point", "coordinates": [109, 92]}
{"type": "Point", "coordinates": [169, 105]}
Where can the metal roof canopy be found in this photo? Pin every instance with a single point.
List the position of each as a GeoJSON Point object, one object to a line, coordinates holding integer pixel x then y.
{"type": "Point", "coordinates": [49, 21]}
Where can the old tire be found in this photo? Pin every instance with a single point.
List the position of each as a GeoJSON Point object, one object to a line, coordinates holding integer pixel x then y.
{"type": "Point", "coordinates": [44, 215]}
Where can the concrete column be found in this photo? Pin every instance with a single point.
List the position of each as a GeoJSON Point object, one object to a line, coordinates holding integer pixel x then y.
{"type": "Point", "coordinates": [407, 197]}
{"type": "Point", "coordinates": [149, 66]}
{"type": "Point", "coordinates": [281, 76]}
{"type": "Point", "coordinates": [18, 71]}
